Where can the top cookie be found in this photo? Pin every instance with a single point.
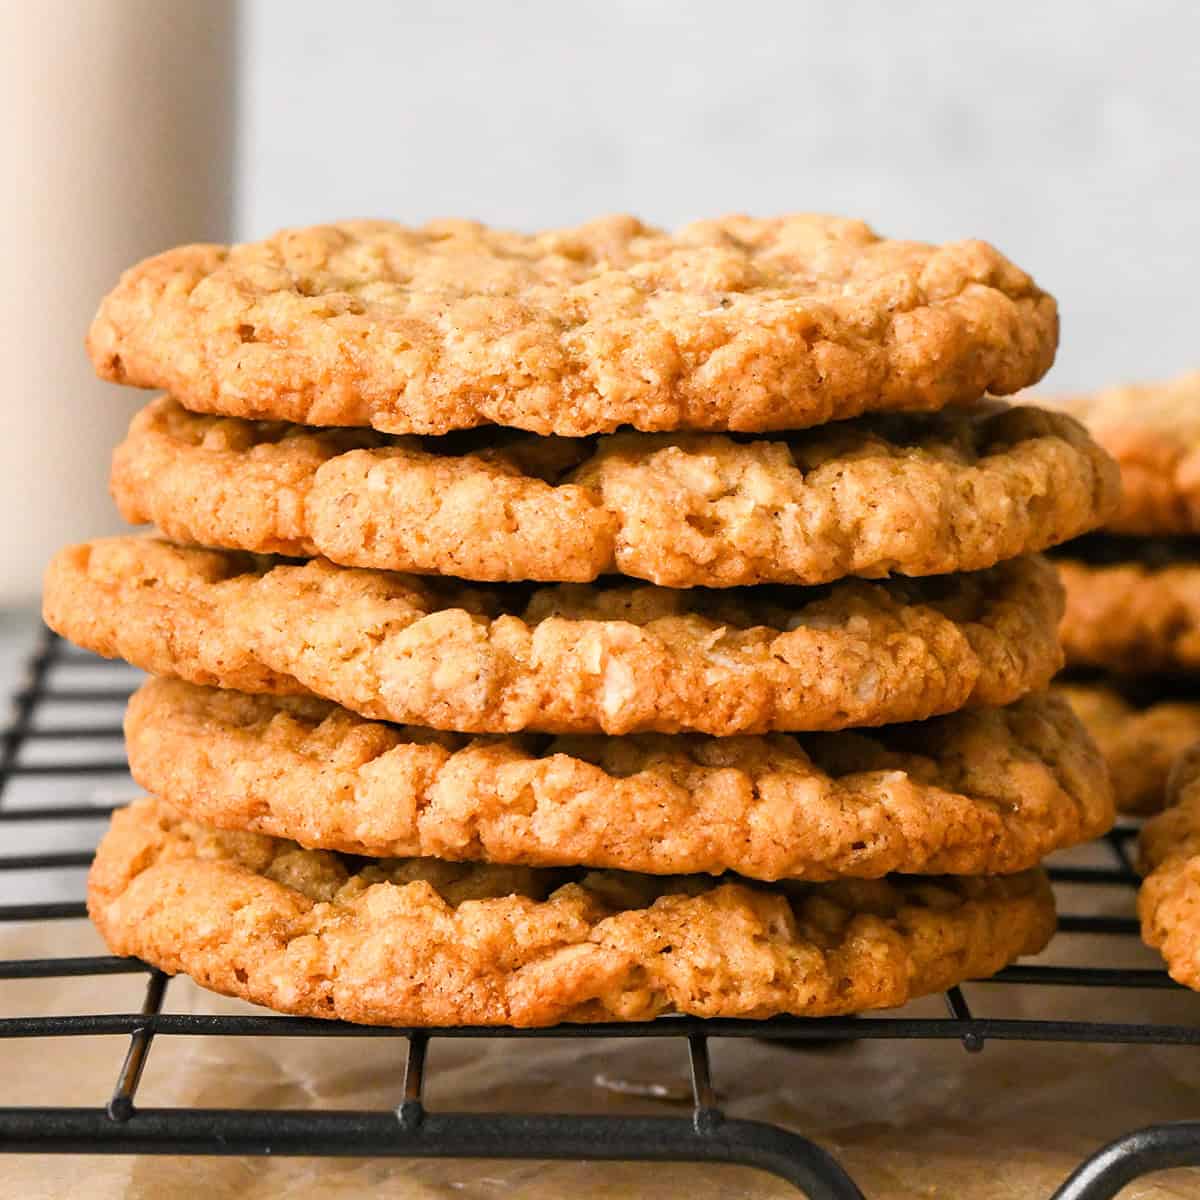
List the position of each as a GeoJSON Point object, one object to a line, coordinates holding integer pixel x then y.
{"type": "Point", "coordinates": [732, 324]}
{"type": "Point", "coordinates": [1153, 431]}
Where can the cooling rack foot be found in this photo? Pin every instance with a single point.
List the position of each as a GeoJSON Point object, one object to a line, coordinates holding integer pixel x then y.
{"type": "Point", "coordinates": [1154, 1148]}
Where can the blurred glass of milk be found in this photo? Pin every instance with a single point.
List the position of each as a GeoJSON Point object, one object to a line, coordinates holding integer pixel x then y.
{"type": "Point", "coordinates": [116, 135]}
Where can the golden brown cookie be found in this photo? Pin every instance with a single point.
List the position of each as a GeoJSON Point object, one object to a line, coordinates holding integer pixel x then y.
{"type": "Point", "coordinates": [1169, 857]}
{"type": "Point", "coordinates": [1139, 744]}
{"type": "Point", "coordinates": [1132, 618]}
{"type": "Point", "coordinates": [732, 324]}
{"type": "Point", "coordinates": [423, 942]}
{"type": "Point", "coordinates": [568, 658]}
{"type": "Point", "coordinates": [1153, 431]}
{"type": "Point", "coordinates": [915, 495]}
{"type": "Point", "coordinates": [990, 791]}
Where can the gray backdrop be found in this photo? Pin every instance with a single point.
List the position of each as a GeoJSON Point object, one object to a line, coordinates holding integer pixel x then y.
{"type": "Point", "coordinates": [1064, 133]}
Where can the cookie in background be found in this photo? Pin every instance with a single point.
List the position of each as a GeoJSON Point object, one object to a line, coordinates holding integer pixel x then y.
{"type": "Point", "coordinates": [1131, 630]}
{"type": "Point", "coordinates": [1139, 741]}
{"type": "Point", "coordinates": [1169, 858]}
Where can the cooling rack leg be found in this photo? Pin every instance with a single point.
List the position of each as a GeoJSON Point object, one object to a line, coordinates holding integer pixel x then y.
{"type": "Point", "coordinates": [120, 1106]}
{"type": "Point", "coordinates": [1113, 1166]}
{"type": "Point", "coordinates": [412, 1108]}
{"type": "Point", "coordinates": [803, 1163]}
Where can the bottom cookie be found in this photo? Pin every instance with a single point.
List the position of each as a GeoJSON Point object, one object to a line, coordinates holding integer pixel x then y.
{"type": "Point", "coordinates": [424, 942]}
{"type": "Point", "coordinates": [1139, 744]}
{"type": "Point", "coordinates": [1169, 858]}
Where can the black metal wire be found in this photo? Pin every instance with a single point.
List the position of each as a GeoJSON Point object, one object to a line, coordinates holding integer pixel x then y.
{"type": "Point", "coordinates": [120, 1105]}
{"type": "Point", "coordinates": [707, 1135]}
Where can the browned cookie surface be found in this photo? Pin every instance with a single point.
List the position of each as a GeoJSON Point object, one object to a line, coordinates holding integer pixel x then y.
{"type": "Point", "coordinates": [988, 791]}
{"type": "Point", "coordinates": [914, 495]}
{"type": "Point", "coordinates": [730, 324]}
{"type": "Point", "coordinates": [570, 658]}
{"type": "Point", "coordinates": [424, 942]}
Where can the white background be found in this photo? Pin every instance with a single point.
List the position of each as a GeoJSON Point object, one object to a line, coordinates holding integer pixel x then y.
{"type": "Point", "coordinates": [1065, 133]}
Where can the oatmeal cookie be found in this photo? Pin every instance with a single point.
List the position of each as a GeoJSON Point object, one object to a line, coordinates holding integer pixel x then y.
{"type": "Point", "coordinates": [1169, 857]}
{"type": "Point", "coordinates": [914, 495]}
{"type": "Point", "coordinates": [572, 658]}
{"type": "Point", "coordinates": [989, 791]}
{"type": "Point", "coordinates": [730, 324]}
{"type": "Point", "coordinates": [1140, 744]}
{"type": "Point", "coordinates": [1132, 618]}
{"type": "Point", "coordinates": [423, 942]}
{"type": "Point", "coordinates": [1153, 431]}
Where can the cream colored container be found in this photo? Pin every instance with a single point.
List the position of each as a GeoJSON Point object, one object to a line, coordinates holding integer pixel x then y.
{"type": "Point", "coordinates": [116, 138]}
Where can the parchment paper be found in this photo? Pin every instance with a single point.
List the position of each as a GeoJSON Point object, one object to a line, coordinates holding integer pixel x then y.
{"type": "Point", "coordinates": [908, 1119]}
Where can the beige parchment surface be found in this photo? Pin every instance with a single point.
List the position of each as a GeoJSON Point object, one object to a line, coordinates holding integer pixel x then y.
{"type": "Point", "coordinates": [908, 1119]}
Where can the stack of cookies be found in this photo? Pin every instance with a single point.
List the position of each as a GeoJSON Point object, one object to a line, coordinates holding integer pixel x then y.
{"type": "Point", "coordinates": [529, 646]}
{"type": "Point", "coordinates": [1132, 625]}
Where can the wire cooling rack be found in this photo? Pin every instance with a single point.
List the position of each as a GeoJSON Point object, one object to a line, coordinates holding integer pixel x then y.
{"type": "Point", "coordinates": [30, 747]}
